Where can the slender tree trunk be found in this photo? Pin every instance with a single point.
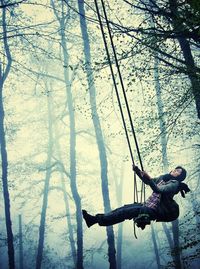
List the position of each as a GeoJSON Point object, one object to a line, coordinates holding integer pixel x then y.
{"type": "Point", "coordinates": [4, 164]}
{"type": "Point", "coordinates": [195, 207]}
{"type": "Point", "coordinates": [155, 246]}
{"type": "Point", "coordinates": [65, 196]}
{"type": "Point", "coordinates": [21, 262]}
{"type": "Point", "coordinates": [68, 214]}
{"type": "Point", "coordinates": [4, 159]}
{"type": "Point", "coordinates": [98, 132]}
{"type": "Point", "coordinates": [119, 191]}
{"type": "Point", "coordinates": [176, 250]}
{"type": "Point", "coordinates": [175, 228]}
{"type": "Point", "coordinates": [163, 137]}
{"type": "Point", "coordinates": [119, 245]}
{"type": "Point", "coordinates": [73, 184]}
{"type": "Point", "coordinates": [46, 188]}
{"type": "Point", "coordinates": [187, 54]}
{"type": "Point", "coordinates": [168, 235]}
{"type": "Point", "coordinates": [195, 201]}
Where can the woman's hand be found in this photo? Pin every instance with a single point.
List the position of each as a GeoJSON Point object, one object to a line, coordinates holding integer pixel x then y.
{"type": "Point", "coordinates": [141, 174]}
{"type": "Point", "coordinates": [134, 166]}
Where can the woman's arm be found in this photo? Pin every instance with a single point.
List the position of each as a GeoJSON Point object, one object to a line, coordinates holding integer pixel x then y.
{"type": "Point", "coordinates": [170, 187]}
{"type": "Point", "coordinates": [142, 175]}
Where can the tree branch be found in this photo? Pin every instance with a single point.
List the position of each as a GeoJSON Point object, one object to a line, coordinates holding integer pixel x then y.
{"type": "Point", "coordinates": [11, 4]}
{"type": "Point", "coordinates": [6, 46]}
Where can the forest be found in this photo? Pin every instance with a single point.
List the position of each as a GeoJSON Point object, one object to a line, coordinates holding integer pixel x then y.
{"type": "Point", "coordinates": [87, 89]}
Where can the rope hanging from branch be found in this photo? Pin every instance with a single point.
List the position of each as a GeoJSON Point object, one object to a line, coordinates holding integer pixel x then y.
{"type": "Point", "coordinates": [118, 96]}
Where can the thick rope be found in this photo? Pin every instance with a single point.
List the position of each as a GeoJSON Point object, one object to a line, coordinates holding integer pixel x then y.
{"type": "Point", "coordinates": [123, 89]}
{"type": "Point", "coordinates": [122, 84]}
{"type": "Point", "coordinates": [114, 80]}
{"type": "Point", "coordinates": [135, 189]}
{"type": "Point", "coordinates": [119, 101]}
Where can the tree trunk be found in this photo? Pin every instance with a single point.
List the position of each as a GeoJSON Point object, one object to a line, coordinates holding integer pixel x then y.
{"type": "Point", "coordinates": [73, 183]}
{"type": "Point", "coordinates": [68, 214]}
{"type": "Point", "coordinates": [175, 228]}
{"type": "Point", "coordinates": [195, 207]}
{"type": "Point", "coordinates": [163, 138]}
{"type": "Point", "coordinates": [98, 132]}
{"type": "Point", "coordinates": [4, 159]}
{"type": "Point", "coordinates": [191, 70]}
{"type": "Point", "coordinates": [155, 246]}
{"type": "Point", "coordinates": [168, 235]}
{"type": "Point", "coordinates": [46, 187]}
{"type": "Point", "coordinates": [65, 196]}
{"type": "Point", "coordinates": [176, 250]}
{"type": "Point", "coordinates": [119, 191]}
{"type": "Point", "coordinates": [21, 262]}
{"type": "Point", "coordinates": [187, 54]}
{"type": "Point", "coordinates": [119, 245]}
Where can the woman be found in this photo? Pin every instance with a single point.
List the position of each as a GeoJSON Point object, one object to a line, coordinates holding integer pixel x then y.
{"type": "Point", "coordinates": [160, 206]}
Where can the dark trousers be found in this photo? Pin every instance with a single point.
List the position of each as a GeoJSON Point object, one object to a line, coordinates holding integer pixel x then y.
{"type": "Point", "coordinates": [120, 214]}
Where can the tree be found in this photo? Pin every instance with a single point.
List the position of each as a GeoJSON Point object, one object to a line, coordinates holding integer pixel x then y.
{"type": "Point", "coordinates": [63, 19]}
{"type": "Point", "coordinates": [46, 184]}
{"type": "Point", "coordinates": [4, 159]}
{"type": "Point", "coordinates": [173, 22]}
{"type": "Point", "coordinates": [21, 261]}
{"type": "Point", "coordinates": [98, 132]}
{"type": "Point", "coordinates": [155, 247]}
{"type": "Point", "coordinates": [163, 139]}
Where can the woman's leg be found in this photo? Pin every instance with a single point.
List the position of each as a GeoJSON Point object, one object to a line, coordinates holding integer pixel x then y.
{"type": "Point", "coordinates": [118, 215]}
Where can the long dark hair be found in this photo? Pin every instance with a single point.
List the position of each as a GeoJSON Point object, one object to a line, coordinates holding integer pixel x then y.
{"type": "Point", "coordinates": [183, 174]}
{"type": "Point", "coordinates": [181, 177]}
{"type": "Point", "coordinates": [183, 188]}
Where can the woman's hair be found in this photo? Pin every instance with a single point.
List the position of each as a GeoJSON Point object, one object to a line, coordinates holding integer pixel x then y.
{"type": "Point", "coordinates": [183, 174]}
{"type": "Point", "coordinates": [180, 178]}
{"type": "Point", "coordinates": [183, 188]}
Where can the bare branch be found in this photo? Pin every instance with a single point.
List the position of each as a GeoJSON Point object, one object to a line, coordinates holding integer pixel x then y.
{"type": "Point", "coordinates": [11, 4]}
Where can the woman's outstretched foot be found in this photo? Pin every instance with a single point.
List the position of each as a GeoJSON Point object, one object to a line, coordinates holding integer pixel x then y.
{"type": "Point", "coordinates": [89, 219]}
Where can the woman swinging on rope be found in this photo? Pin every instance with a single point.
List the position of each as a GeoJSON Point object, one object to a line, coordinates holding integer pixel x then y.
{"type": "Point", "coordinates": [160, 206]}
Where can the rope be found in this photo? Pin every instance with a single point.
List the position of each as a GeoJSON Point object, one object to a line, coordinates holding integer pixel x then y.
{"type": "Point", "coordinates": [123, 88]}
{"type": "Point", "coordinates": [114, 81]}
{"type": "Point", "coordinates": [122, 85]}
{"type": "Point", "coordinates": [118, 99]}
{"type": "Point", "coordinates": [135, 189]}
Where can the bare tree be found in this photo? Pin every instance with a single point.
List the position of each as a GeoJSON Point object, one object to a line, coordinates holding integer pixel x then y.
{"type": "Point", "coordinates": [98, 132]}
{"type": "Point", "coordinates": [63, 19]}
{"type": "Point", "coordinates": [163, 140]}
{"type": "Point", "coordinates": [46, 184]}
{"type": "Point", "coordinates": [21, 260]}
{"type": "Point", "coordinates": [4, 159]}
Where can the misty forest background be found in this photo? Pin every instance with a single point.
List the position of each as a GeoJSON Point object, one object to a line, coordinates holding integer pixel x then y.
{"type": "Point", "coordinates": [63, 145]}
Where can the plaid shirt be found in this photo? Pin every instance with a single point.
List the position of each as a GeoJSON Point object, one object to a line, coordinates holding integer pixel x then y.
{"type": "Point", "coordinates": [154, 199]}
